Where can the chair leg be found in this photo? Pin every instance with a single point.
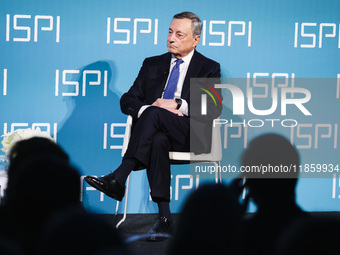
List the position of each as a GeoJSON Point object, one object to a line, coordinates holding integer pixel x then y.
{"type": "Point", "coordinates": [244, 189]}
{"type": "Point", "coordinates": [220, 172]}
{"type": "Point", "coordinates": [216, 173]}
{"type": "Point", "coordinates": [126, 201]}
{"type": "Point", "coordinates": [117, 207]}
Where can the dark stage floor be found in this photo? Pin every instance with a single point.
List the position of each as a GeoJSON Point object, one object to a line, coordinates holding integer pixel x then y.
{"type": "Point", "coordinates": [139, 224]}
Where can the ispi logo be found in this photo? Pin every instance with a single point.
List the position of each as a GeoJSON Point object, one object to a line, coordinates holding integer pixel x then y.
{"type": "Point", "coordinates": [209, 90]}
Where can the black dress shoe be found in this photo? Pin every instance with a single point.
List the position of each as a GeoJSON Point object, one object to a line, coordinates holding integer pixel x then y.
{"type": "Point", "coordinates": [108, 185]}
{"type": "Point", "coordinates": [161, 230]}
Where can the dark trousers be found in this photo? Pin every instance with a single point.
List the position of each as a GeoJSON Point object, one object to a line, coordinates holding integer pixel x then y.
{"type": "Point", "coordinates": [155, 133]}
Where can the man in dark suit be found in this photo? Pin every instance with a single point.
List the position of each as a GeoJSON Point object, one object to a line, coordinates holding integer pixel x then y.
{"type": "Point", "coordinates": [159, 101]}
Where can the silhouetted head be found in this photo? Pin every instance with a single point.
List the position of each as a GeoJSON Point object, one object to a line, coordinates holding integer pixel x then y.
{"type": "Point", "coordinates": [40, 182]}
{"type": "Point", "coordinates": [208, 223]}
{"type": "Point", "coordinates": [40, 178]}
{"type": "Point", "coordinates": [271, 163]}
{"type": "Point", "coordinates": [35, 146]}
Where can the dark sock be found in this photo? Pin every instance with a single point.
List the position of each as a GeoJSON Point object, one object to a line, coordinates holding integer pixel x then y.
{"type": "Point", "coordinates": [164, 209]}
{"type": "Point", "coordinates": [123, 171]}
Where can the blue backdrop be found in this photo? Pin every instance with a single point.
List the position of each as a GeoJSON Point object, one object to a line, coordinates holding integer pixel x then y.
{"type": "Point", "coordinates": [65, 64]}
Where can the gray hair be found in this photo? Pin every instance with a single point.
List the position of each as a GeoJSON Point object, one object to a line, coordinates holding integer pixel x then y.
{"type": "Point", "coordinates": [196, 23]}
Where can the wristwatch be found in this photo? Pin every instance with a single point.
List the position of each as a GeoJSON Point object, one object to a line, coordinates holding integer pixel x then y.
{"type": "Point", "coordinates": [179, 103]}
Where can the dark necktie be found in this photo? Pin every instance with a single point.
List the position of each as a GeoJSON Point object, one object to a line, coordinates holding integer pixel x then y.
{"type": "Point", "coordinates": [170, 89]}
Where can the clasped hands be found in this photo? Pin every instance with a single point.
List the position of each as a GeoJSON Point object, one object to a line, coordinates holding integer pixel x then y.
{"type": "Point", "coordinates": [168, 104]}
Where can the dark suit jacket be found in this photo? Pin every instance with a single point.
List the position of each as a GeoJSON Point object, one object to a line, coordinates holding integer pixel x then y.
{"type": "Point", "coordinates": [150, 83]}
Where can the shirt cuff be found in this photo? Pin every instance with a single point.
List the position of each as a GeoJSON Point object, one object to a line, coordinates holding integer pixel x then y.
{"type": "Point", "coordinates": [184, 108]}
{"type": "Point", "coordinates": [142, 109]}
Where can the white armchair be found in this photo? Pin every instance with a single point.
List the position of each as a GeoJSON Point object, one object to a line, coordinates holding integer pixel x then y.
{"type": "Point", "coordinates": [214, 157]}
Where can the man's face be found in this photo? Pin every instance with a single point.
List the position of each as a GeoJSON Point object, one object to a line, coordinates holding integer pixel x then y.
{"type": "Point", "coordinates": [180, 39]}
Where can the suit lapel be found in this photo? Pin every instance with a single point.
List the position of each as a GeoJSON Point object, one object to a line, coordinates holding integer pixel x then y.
{"type": "Point", "coordinates": [162, 74]}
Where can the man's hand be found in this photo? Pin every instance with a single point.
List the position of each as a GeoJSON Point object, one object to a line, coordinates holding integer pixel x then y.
{"type": "Point", "coordinates": [168, 104]}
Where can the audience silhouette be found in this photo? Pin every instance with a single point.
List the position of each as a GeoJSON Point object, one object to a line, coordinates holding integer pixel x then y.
{"type": "Point", "coordinates": [41, 185]}
{"type": "Point", "coordinates": [208, 223]}
{"type": "Point", "coordinates": [75, 231]}
{"type": "Point", "coordinates": [312, 235]}
{"type": "Point", "coordinates": [41, 216]}
{"type": "Point", "coordinates": [272, 189]}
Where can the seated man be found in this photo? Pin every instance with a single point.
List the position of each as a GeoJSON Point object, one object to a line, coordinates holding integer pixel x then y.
{"type": "Point", "coordinates": [159, 102]}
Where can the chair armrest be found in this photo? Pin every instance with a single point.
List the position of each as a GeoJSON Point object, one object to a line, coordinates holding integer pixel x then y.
{"type": "Point", "coordinates": [127, 134]}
